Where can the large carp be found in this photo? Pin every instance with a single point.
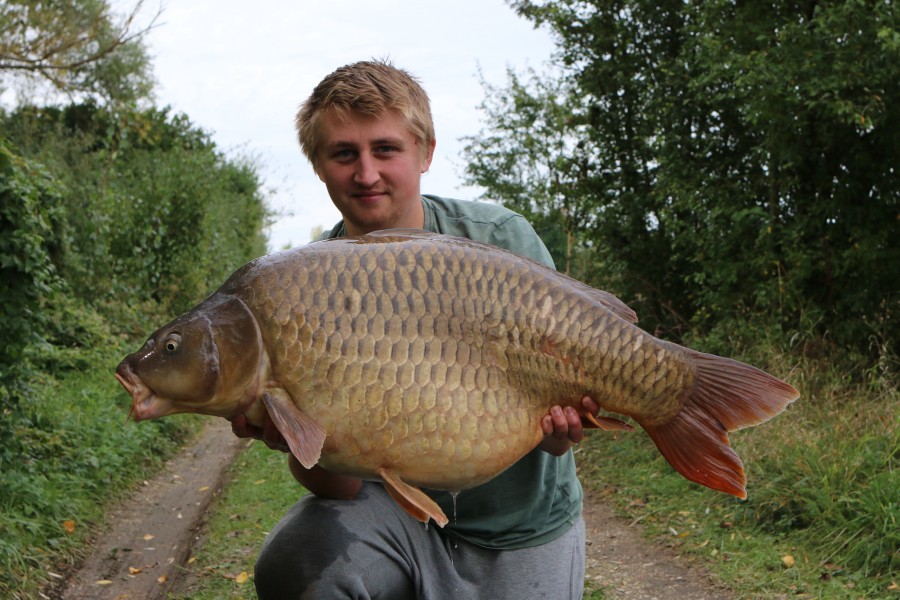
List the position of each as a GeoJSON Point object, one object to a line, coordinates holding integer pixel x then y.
{"type": "Point", "coordinates": [426, 360]}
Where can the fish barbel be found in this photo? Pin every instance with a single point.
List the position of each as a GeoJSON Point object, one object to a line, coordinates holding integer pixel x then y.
{"type": "Point", "coordinates": [419, 359]}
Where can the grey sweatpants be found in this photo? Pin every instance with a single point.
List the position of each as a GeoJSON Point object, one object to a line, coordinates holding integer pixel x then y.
{"type": "Point", "coordinates": [370, 548]}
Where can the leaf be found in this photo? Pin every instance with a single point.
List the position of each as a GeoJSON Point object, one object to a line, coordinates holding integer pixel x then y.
{"type": "Point", "coordinates": [788, 560]}
{"type": "Point", "coordinates": [69, 526]}
{"type": "Point", "coordinates": [148, 537]}
{"type": "Point", "coordinates": [103, 582]}
{"type": "Point", "coordinates": [242, 578]}
{"type": "Point", "coordinates": [162, 578]}
{"type": "Point", "coordinates": [135, 570]}
{"type": "Point", "coordinates": [203, 489]}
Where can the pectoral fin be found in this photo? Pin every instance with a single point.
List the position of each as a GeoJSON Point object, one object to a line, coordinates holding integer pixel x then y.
{"type": "Point", "coordinates": [412, 499]}
{"type": "Point", "coordinates": [304, 436]}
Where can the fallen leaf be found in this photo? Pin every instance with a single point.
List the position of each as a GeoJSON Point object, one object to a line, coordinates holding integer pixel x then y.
{"type": "Point", "coordinates": [135, 570]}
{"type": "Point", "coordinates": [69, 526]}
{"type": "Point", "coordinates": [192, 560]}
{"type": "Point", "coordinates": [149, 537]}
{"type": "Point", "coordinates": [893, 586]}
{"type": "Point", "coordinates": [161, 579]}
{"type": "Point", "coordinates": [788, 560]}
{"type": "Point", "coordinates": [242, 578]}
{"type": "Point", "coordinates": [203, 489]}
{"type": "Point", "coordinates": [103, 582]}
{"type": "Point", "coordinates": [259, 481]}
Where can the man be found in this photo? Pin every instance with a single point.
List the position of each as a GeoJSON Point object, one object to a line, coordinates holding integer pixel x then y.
{"type": "Point", "coordinates": [367, 131]}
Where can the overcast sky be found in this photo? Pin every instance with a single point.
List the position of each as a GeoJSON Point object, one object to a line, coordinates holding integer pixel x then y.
{"type": "Point", "coordinates": [239, 69]}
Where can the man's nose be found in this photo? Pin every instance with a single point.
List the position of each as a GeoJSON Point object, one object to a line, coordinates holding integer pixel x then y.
{"type": "Point", "coordinates": [366, 171]}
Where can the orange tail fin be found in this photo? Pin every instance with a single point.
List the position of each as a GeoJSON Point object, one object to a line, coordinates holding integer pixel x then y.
{"type": "Point", "coordinates": [728, 395]}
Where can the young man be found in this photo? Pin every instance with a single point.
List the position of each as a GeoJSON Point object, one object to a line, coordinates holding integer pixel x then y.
{"type": "Point", "coordinates": [367, 131]}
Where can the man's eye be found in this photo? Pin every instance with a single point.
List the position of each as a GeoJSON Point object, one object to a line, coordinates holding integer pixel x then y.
{"type": "Point", "coordinates": [385, 149]}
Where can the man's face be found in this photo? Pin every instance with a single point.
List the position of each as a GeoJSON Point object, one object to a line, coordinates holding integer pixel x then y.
{"type": "Point", "coordinates": [372, 167]}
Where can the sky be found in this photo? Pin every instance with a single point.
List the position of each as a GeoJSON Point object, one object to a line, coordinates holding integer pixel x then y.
{"type": "Point", "coordinates": [240, 70]}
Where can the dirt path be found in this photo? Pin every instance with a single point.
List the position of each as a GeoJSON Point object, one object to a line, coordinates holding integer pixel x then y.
{"type": "Point", "coordinates": [127, 564]}
{"type": "Point", "coordinates": [628, 567]}
{"type": "Point", "coordinates": [141, 554]}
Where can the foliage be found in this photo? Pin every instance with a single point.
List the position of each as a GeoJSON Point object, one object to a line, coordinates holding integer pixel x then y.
{"type": "Point", "coordinates": [153, 210]}
{"type": "Point", "coordinates": [731, 158]}
{"type": "Point", "coordinates": [530, 160]}
{"type": "Point", "coordinates": [30, 213]}
{"type": "Point", "coordinates": [108, 220]}
{"type": "Point", "coordinates": [76, 46]}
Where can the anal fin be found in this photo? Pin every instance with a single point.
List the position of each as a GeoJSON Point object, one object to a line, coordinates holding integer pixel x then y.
{"type": "Point", "coordinates": [412, 499]}
{"type": "Point", "coordinates": [303, 435]}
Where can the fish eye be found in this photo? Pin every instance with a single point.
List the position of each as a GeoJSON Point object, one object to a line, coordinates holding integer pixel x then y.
{"type": "Point", "coordinates": [172, 343]}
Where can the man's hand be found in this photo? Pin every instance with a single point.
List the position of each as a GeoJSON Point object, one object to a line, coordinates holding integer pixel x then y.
{"type": "Point", "coordinates": [268, 433]}
{"type": "Point", "coordinates": [317, 480]}
{"type": "Point", "coordinates": [562, 427]}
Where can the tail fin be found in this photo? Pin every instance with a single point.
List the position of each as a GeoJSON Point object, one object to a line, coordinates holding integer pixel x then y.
{"type": "Point", "coordinates": [727, 395]}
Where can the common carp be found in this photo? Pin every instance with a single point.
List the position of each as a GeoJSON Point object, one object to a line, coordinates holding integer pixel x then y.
{"type": "Point", "coordinates": [419, 359]}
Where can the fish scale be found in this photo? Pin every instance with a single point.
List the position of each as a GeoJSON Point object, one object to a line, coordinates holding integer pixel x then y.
{"type": "Point", "coordinates": [425, 360]}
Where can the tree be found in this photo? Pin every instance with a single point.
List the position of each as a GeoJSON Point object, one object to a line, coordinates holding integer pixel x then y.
{"type": "Point", "coordinates": [530, 159]}
{"type": "Point", "coordinates": [77, 47]}
{"type": "Point", "coordinates": [741, 157]}
{"type": "Point", "coordinates": [150, 207]}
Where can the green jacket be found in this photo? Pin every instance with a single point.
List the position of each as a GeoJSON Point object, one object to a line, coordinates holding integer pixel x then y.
{"type": "Point", "coordinates": [539, 498]}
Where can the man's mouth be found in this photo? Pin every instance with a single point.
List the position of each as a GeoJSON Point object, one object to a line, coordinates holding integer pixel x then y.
{"type": "Point", "coordinates": [369, 196]}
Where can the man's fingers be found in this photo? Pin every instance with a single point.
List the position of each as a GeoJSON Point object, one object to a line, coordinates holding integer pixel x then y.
{"type": "Point", "coordinates": [590, 405]}
{"type": "Point", "coordinates": [242, 429]}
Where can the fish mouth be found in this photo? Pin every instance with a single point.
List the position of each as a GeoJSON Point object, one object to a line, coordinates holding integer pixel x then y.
{"type": "Point", "coordinates": [145, 404]}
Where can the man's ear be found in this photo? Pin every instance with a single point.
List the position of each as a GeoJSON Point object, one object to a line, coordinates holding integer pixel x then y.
{"type": "Point", "coordinates": [429, 155]}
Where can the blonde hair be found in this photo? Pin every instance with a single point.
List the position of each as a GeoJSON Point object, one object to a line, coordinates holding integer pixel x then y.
{"type": "Point", "coordinates": [369, 88]}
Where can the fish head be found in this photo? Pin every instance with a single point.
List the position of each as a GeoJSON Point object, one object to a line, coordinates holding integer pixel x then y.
{"type": "Point", "coordinates": [209, 360]}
